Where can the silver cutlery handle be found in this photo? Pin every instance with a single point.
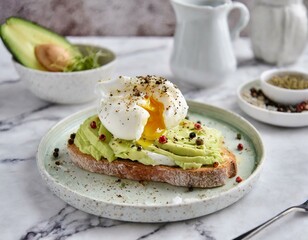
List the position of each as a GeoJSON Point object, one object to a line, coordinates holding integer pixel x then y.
{"type": "Point", "coordinates": [254, 231]}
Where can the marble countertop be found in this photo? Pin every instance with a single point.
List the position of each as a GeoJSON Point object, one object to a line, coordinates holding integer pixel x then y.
{"type": "Point", "coordinates": [28, 210]}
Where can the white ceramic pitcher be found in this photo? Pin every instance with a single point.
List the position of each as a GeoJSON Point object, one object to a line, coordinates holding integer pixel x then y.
{"type": "Point", "coordinates": [203, 52]}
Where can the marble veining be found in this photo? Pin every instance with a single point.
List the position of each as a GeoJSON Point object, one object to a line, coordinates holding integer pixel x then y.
{"type": "Point", "coordinates": [28, 210]}
{"type": "Point", "coordinates": [65, 224]}
{"type": "Point", "coordinates": [9, 123]}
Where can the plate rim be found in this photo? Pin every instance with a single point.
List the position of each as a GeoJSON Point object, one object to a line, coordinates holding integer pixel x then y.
{"type": "Point", "coordinates": [253, 176]}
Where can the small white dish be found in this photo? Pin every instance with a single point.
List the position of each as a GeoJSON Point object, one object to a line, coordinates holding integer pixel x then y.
{"type": "Point", "coordinates": [279, 94]}
{"type": "Point", "coordinates": [67, 87]}
{"type": "Point", "coordinates": [261, 113]}
{"type": "Point", "coordinates": [133, 201]}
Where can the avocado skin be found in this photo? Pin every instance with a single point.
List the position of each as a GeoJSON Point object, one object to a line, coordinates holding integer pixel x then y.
{"type": "Point", "coordinates": [26, 42]}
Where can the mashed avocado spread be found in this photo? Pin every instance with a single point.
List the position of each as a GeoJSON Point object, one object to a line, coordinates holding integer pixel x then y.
{"type": "Point", "coordinates": [181, 147]}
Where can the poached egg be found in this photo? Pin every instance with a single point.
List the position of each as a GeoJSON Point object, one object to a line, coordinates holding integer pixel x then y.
{"type": "Point", "coordinates": [140, 108]}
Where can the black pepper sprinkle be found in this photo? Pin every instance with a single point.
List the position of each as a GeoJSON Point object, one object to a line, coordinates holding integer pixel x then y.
{"type": "Point", "coordinates": [73, 135]}
{"type": "Point", "coordinates": [199, 121]}
{"type": "Point", "coordinates": [56, 150]}
{"type": "Point", "coordinates": [71, 141]}
{"type": "Point", "coordinates": [199, 141]}
{"type": "Point", "coordinates": [238, 136]}
{"type": "Point", "coordinates": [57, 163]}
{"type": "Point", "coordinates": [55, 154]}
{"type": "Point", "coordinates": [142, 182]}
{"type": "Point", "coordinates": [139, 148]}
{"type": "Point", "coordinates": [192, 135]}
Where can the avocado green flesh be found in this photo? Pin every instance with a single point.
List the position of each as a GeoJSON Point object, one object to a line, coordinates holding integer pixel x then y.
{"type": "Point", "coordinates": [87, 140]}
{"type": "Point", "coordinates": [181, 144]}
{"type": "Point", "coordinates": [21, 37]}
{"type": "Point", "coordinates": [180, 148]}
{"type": "Point", "coordinates": [127, 150]}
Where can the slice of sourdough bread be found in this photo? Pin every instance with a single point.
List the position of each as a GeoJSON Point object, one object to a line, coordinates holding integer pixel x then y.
{"type": "Point", "coordinates": [205, 177]}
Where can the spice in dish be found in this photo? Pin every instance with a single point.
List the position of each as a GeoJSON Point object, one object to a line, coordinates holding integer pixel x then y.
{"type": "Point", "coordinates": [290, 81]}
{"type": "Point", "coordinates": [257, 98]}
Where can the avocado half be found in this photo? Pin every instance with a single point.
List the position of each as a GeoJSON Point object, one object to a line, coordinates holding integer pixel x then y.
{"type": "Point", "coordinates": [20, 37]}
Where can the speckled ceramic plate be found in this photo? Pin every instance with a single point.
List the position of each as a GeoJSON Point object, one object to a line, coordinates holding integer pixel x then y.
{"type": "Point", "coordinates": [150, 202]}
{"type": "Point", "coordinates": [269, 116]}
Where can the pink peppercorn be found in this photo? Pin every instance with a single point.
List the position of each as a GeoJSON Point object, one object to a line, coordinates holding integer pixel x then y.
{"type": "Point", "coordinates": [238, 179]}
{"type": "Point", "coordinates": [163, 139]}
{"type": "Point", "coordinates": [197, 126]}
{"type": "Point", "coordinates": [93, 124]}
{"type": "Point", "coordinates": [102, 137]}
{"type": "Point", "coordinates": [240, 147]}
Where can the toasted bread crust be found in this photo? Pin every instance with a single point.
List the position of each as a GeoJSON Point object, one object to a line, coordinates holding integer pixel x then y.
{"type": "Point", "coordinates": [205, 177]}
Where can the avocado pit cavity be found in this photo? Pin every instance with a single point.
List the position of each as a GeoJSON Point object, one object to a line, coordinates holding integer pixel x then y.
{"type": "Point", "coordinates": [52, 57]}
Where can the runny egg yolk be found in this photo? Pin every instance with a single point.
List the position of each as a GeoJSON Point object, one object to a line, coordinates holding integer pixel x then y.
{"type": "Point", "coordinates": [155, 126]}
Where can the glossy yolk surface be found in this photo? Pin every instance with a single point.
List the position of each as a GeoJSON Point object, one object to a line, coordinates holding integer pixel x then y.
{"type": "Point", "coordinates": [155, 126]}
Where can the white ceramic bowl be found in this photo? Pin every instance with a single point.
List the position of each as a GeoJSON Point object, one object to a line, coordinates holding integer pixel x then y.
{"type": "Point", "coordinates": [67, 87]}
{"type": "Point", "coordinates": [282, 95]}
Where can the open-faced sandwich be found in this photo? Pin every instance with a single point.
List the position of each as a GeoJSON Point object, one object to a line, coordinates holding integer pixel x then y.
{"type": "Point", "coordinates": [141, 133]}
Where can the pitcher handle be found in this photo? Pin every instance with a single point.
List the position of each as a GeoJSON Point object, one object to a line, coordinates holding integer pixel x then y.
{"type": "Point", "coordinates": [243, 20]}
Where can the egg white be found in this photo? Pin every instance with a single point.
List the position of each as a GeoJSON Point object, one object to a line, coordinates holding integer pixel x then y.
{"type": "Point", "coordinates": [121, 110]}
{"type": "Point", "coordinates": [160, 159]}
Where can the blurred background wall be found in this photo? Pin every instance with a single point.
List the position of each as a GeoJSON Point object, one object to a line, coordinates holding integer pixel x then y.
{"type": "Point", "coordinates": [101, 17]}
